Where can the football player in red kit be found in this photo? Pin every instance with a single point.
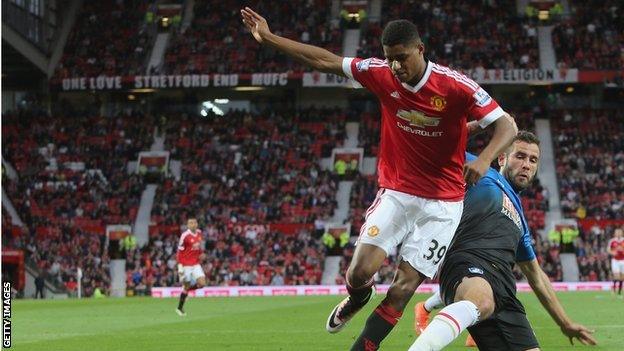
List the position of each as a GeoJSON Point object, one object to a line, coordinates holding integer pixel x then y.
{"type": "Point", "coordinates": [189, 256]}
{"type": "Point", "coordinates": [616, 250]}
{"type": "Point", "coordinates": [422, 171]}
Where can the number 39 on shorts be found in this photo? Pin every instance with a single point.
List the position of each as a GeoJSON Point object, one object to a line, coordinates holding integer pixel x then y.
{"type": "Point", "coordinates": [434, 252]}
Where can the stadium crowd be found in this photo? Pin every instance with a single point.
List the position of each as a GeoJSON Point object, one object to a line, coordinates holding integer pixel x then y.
{"type": "Point", "coordinates": [592, 255]}
{"type": "Point", "coordinates": [95, 48]}
{"type": "Point", "coordinates": [233, 258]}
{"type": "Point", "coordinates": [369, 135]}
{"type": "Point", "coordinates": [73, 187]}
{"type": "Point", "coordinates": [592, 38]}
{"type": "Point", "coordinates": [251, 168]}
{"type": "Point", "coordinates": [589, 150]}
{"type": "Point", "coordinates": [61, 238]}
{"type": "Point", "coordinates": [460, 36]}
{"type": "Point", "coordinates": [69, 187]}
{"type": "Point", "coordinates": [216, 42]}
{"type": "Point", "coordinates": [547, 253]}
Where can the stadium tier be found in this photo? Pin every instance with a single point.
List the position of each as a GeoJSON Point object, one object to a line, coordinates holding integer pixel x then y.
{"type": "Point", "coordinates": [216, 42]}
{"type": "Point", "coordinates": [96, 48]}
{"type": "Point", "coordinates": [592, 37]}
{"type": "Point", "coordinates": [252, 167]}
{"type": "Point", "coordinates": [590, 155]}
{"type": "Point", "coordinates": [234, 259]}
{"type": "Point", "coordinates": [463, 34]}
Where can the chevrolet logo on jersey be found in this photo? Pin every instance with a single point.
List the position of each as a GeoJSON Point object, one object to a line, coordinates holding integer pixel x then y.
{"type": "Point", "coordinates": [418, 119]}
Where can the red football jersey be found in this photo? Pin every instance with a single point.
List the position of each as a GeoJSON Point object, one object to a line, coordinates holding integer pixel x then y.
{"type": "Point", "coordinates": [423, 127]}
{"type": "Point", "coordinates": [617, 245]}
{"type": "Point", "coordinates": [189, 248]}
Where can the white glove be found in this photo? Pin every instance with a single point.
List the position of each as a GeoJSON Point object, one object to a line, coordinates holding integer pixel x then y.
{"type": "Point", "coordinates": [180, 270]}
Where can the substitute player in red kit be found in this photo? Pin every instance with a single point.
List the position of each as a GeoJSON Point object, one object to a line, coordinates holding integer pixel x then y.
{"type": "Point", "coordinates": [422, 172]}
{"type": "Point", "coordinates": [616, 250]}
{"type": "Point", "coordinates": [189, 256]}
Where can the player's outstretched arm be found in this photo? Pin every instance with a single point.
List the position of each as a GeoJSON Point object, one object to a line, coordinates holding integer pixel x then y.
{"type": "Point", "coordinates": [505, 130]}
{"type": "Point", "coordinates": [543, 289]}
{"type": "Point", "coordinates": [313, 56]}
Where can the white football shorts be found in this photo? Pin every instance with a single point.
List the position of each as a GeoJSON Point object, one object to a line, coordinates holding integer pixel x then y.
{"type": "Point", "coordinates": [617, 266]}
{"type": "Point", "coordinates": [424, 227]}
{"type": "Point", "coordinates": [192, 273]}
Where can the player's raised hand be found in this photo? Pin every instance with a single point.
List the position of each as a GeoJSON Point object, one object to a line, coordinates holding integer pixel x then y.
{"type": "Point", "coordinates": [473, 171]}
{"type": "Point", "coordinates": [580, 332]}
{"type": "Point", "coordinates": [256, 24]}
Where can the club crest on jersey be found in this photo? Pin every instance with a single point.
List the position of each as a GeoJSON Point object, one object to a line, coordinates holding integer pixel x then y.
{"type": "Point", "coordinates": [363, 65]}
{"type": "Point", "coordinates": [509, 210]}
{"type": "Point", "coordinates": [373, 231]}
{"type": "Point", "coordinates": [418, 119]}
{"type": "Point", "coordinates": [482, 98]}
{"type": "Point", "coordinates": [438, 103]}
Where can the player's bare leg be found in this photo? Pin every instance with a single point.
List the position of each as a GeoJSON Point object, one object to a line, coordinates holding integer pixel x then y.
{"type": "Point", "coordinates": [200, 283]}
{"type": "Point", "coordinates": [381, 322]}
{"type": "Point", "coordinates": [474, 301]}
{"type": "Point", "coordinates": [617, 283]}
{"type": "Point", "coordinates": [367, 259]}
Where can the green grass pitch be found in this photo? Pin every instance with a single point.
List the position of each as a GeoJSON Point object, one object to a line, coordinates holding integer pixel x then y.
{"type": "Point", "coordinates": [261, 323]}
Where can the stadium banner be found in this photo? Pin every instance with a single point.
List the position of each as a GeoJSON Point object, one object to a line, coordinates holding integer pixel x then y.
{"type": "Point", "coordinates": [310, 290]}
{"type": "Point", "coordinates": [523, 76]}
{"type": "Point", "coordinates": [263, 228]}
{"type": "Point", "coordinates": [290, 228]}
{"type": "Point", "coordinates": [178, 81]}
{"type": "Point", "coordinates": [325, 80]}
{"type": "Point", "coordinates": [311, 79]}
{"type": "Point", "coordinates": [239, 228]}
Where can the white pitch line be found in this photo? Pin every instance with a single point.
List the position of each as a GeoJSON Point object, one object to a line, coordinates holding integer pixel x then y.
{"type": "Point", "coordinates": [609, 297]}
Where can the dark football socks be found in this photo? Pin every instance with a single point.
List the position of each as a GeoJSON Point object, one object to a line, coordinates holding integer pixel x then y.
{"type": "Point", "coordinates": [362, 294]}
{"type": "Point", "coordinates": [378, 325]}
{"type": "Point", "coordinates": [182, 299]}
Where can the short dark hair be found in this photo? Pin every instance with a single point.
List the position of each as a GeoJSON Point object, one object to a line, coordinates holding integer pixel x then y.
{"type": "Point", "coordinates": [527, 137]}
{"type": "Point", "coordinates": [400, 32]}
